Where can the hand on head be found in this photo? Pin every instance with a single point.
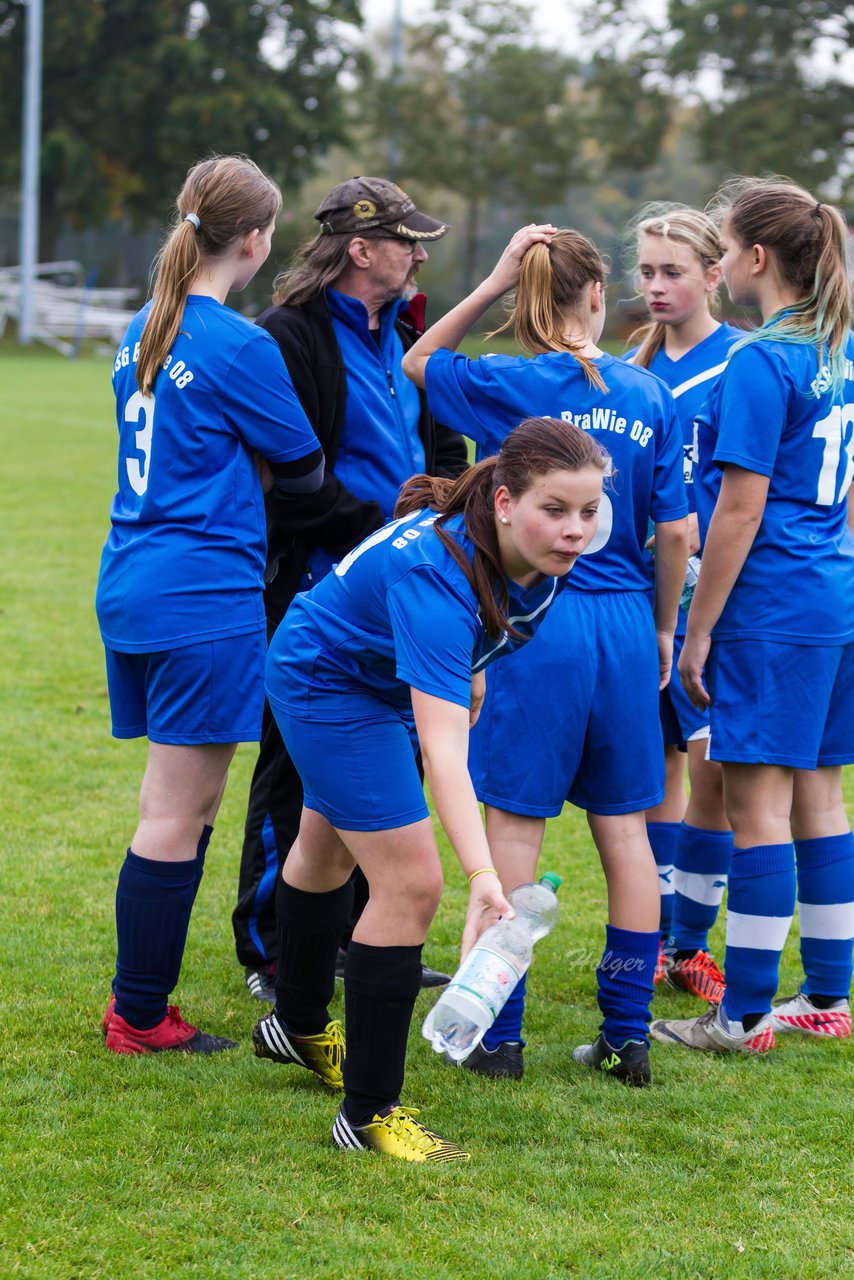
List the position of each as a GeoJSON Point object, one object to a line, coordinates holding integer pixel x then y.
{"type": "Point", "coordinates": [505, 273]}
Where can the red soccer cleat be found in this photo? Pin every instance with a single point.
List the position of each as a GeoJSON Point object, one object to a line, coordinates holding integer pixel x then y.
{"type": "Point", "coordinates": [173, 1033]}
{"type": "Point", "coordinates": [699, 975]}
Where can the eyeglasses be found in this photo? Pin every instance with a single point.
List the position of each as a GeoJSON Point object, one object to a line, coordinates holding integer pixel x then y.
{"type": "Point", "coordinates": [411, 245]}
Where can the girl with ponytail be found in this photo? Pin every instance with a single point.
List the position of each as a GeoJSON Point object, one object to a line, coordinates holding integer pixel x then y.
{"type": "Point", "coordinates": [391, 644]}
{"type": "Point", "coordinates": [677, 253]}
{"type": "Point", "coordinates": [576, 717]}
{"type": "Point", "coordinates": [772, 618]}
{"type": "Point", "coordinates": [199, 391]}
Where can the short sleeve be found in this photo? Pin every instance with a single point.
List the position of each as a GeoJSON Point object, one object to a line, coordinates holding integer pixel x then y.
{"type": "Point", "coordinates": [460, 393]}
{"type": "Point", "coordinates": [669, 499]}
{"type": "Point", "coordinates": [262, 405]}
{"type": "Point", "coordinates": [435, 630]}
{"type": "Point", "coordinates": [751, 410]}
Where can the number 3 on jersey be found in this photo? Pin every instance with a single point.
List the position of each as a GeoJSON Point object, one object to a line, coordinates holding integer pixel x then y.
{"type": "Point", "coordinates": [837, 432]}
{"type": "Point", "coordinates": [140, 409]}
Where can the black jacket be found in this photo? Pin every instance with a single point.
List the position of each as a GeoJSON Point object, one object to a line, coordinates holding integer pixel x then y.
{"type": "Point", "coordinates": [332, 518]}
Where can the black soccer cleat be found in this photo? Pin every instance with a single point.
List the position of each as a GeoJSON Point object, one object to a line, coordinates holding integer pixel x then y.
{"type": "Point", "coordinates": [629, 1063]}
{"type": "Point", "coordinates": [504, 1062]}
{"type": "Point", "coordinates": [261, 982]}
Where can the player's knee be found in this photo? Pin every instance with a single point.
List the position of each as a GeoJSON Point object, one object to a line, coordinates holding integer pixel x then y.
{"type": "Point", "coordinates": [425, 893]}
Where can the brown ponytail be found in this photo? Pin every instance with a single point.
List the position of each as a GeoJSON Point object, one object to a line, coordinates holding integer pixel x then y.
{"type": "Point", "coordinates": [535, 448]}
{"type": "Point", "coordinates": [228, 196]}
{"type": "Point", "coordinates": [552, 281]}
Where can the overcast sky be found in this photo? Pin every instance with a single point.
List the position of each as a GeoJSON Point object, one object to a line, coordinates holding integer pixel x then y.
{"type": "Point", "coordinates": [561, 32]}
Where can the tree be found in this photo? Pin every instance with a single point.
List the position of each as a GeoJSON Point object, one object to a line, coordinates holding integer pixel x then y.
{"type": "Point", "coordinates": [781, 106]}
{"type": "Point", "coordinates": [765, 78]}
{"type": "Point", "coordinates": [134, 93]}
{"type": "Point", "coordinates": [481, 111]}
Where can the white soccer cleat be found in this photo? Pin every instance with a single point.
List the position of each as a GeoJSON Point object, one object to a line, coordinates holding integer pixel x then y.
{"type": "Point", "coordinates": [798, 1013]}
{"type": "Point", "coordinates": [714, 1032]}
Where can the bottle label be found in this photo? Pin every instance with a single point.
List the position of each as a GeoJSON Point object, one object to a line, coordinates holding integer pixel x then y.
{"type": "Point", "coordinates": [490, 977]}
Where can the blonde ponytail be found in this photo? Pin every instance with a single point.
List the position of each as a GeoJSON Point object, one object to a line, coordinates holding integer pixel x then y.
{"type": "Point", "coordinates": [222, 199]}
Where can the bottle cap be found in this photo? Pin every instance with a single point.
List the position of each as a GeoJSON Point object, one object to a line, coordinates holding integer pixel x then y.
{"type": "Point", "coordinates": [552, 880]}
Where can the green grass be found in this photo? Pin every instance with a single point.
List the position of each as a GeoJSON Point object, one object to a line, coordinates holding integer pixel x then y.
{"type": "Point", "coordinates": [176, 1167]}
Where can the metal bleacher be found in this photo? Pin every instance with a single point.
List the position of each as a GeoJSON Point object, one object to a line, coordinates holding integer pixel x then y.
{"type": "Point", "coordinates": [67, 309]}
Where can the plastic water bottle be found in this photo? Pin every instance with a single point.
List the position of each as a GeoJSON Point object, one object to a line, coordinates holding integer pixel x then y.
{"type": "Point", "coordinates": [692, 573]}
{"type": "Point", "coordinates": [479, 989]}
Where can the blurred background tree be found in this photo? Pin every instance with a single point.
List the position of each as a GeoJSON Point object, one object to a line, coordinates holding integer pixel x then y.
{"type": "Point", "coordinates": [482, 111]}
{"type": "Point", "coordinates": [484, 118]}
{"type": "Point", "coordinates": [765, 80]}
{"type": "Point", "coordinates": [135, 92]}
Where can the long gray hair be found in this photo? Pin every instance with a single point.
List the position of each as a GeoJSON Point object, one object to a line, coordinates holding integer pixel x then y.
{"type": "Point", "coordinates": [317, 263]}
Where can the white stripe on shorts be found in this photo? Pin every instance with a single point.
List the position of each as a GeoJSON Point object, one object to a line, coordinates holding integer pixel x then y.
{"type": "Point", "coordinates": [831, 920]}
{"type": "Point", "coordinates": [699, 888]}
{"type": "Point", "coordinates": [759, 933]}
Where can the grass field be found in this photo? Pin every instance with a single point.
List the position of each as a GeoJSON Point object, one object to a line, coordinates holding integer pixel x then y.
{"type": "Point", "coordinates": [165, 1166]}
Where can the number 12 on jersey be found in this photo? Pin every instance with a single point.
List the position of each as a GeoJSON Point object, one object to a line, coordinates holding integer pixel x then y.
{"type": "Point", "coordinates": [837, 432]}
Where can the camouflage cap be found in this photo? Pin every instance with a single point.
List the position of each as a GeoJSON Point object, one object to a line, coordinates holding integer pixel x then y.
{"type": "Point", "coordinates": [364, 206]}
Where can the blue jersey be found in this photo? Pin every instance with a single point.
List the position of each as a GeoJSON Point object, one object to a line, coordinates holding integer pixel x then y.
{"type": "Point", "coordinates": [690, 379]}
{"type": "Point", "coordinates": [397, 612]}
{"type": "Point", "coordinates": [797, 583]}
{"type": "Point", "coordinates": [184, 560]}
{"type": "Point", "coordinates": [380, 445]}
{"type": "Point", "coordinates": [634, 421]}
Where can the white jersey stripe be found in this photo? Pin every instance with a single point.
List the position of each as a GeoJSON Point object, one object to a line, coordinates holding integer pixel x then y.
{"type": "Point", "coordinates": [698, 379]}
{"type": "Point", "coordinates": [832, 921]}
{"type": "Point", "coordinates": [513, 619]}
{"type": "Point", "coordinates": [699, 888]}
{"type": "Point", "coordinates": [758, 933]}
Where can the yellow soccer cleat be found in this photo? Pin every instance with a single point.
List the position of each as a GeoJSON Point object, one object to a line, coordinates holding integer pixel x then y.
{"type": "Point", "coordinates": [322, 1054]}
{"type": "Point", "coordinates": [396, 1134]}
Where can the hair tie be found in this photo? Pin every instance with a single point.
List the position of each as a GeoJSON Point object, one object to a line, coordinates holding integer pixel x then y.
{"type": "Point", "coordinates": [817, 210]}
{"type": "Point", "coordinates": [194, 218]}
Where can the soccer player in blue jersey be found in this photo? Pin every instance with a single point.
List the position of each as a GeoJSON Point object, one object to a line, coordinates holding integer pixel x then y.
{"type": "Point", "coordinates": [199, 391]}
{"type": "Point", "coordinates": [392, 643]}
{"type": "Point", "coordinates": [678, 255]}
{"type": "Point", "coordinates": [772, 619]}
{"type": "Point", "coordinates": [576, 716]}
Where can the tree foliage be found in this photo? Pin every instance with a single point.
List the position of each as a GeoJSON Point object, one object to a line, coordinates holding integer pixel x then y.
{"type": "Point", "coordinates": [134, 93]}
{"type": "Point", "coordinates": [481, 111]}
{"type": "Point", "coordinates": [765, 78]}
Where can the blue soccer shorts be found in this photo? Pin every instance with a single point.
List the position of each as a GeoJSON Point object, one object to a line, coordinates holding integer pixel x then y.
{"type": "Point", "coordinates": [785, 704]}
{"type": "Point", "coordinates": [574, 714]}
{"type": "Point", "coordinates": [359, 772]}
{"type": "Point", "coordinates": [211, 692]}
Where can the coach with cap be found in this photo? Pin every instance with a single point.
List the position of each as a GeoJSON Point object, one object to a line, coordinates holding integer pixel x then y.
{"type": "Point", "coordinates": [346, 311]}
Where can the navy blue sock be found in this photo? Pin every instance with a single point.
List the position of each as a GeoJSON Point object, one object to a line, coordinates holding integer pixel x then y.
{"type": "Point", "coordinates": [508, 1025]}
{"type": "Point", "coordinates": [380, 988]}
{"type": "Point", "coordinates": [153, 905]}
{"type": "Point", "coordinates": [625, 977]}
{"type": "Point", "coordinates": [662, 838]}
{"type": "Point", "coordinates": [310, 928]}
